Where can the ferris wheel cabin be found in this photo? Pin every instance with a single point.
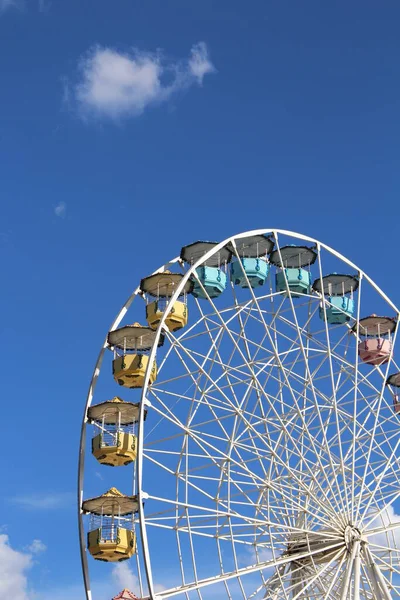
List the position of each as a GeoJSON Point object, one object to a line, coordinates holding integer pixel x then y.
{"type": "Point", "coordinates": [209, 280]}
{"type": "Point", "coordinates": [115, 444]}
{"type": "Point", "coordinates": [294, 263]}
{"type": "Point", "coordinates": [393, 381]}
{"type": "Point", "coordinates": [162, 286]}
{"type": "Point", "coordinates": [339, 305]}
{"type": "Point", "coordinates": [376, 347]}
{"type": "Point", "coordinates": [135, 341]}
{"type": "Point", "coordinates": [251, 268]}
{"type": "Point", "coordinates": [111, 537]}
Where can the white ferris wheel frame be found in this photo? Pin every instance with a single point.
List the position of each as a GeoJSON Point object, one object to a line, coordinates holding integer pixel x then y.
{"type": "Point", "coordinates": [142, 495]}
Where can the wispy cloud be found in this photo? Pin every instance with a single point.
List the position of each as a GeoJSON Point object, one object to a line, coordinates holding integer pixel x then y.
{"type": "Point", "coordinates": [60, 210]}
{"type": "Point", "coordinates": [4, 4]}
{"type": "Point", "coordinates": [44, 501]}
{"type": "Point", "coordinates": [124, 577]}
{"type": "Point", "coordinates": [115, 85]}
{"type": "Point", "coordinates": [44, 6]}
{"type": "Point", "coordinates": [36, 547]}
{"type": "Point", "coordinates": [199, 63]}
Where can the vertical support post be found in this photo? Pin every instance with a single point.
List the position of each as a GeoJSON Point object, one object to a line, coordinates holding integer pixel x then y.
{"type": "Point", "coordinates": [357, 570]}
{"type": "Point", "coordinates": [349, 570]}
{"type": "Point", "coordinates": [378, 577]}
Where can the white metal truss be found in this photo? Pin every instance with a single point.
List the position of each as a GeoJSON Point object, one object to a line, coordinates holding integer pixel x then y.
{"type": "Point", "coordinates": [269, 464]}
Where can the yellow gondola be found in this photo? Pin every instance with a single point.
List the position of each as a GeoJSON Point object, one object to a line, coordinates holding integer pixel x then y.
{"type": "Point", "coordinates": [162, 286]}
{"type": "Point", "coordinates": [114, 420]}
{"type": "Point", "coordinates": [111, 537]}
{"type": "Point", "coordinates": [129, 368]}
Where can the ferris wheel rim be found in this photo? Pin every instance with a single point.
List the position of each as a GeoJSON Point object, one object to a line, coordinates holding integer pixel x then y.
{"type": "Point", "coordinates": [96, 372]}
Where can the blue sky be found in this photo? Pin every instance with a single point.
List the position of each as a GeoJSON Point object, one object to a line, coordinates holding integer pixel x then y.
{"type": "Point", "coordinates": [128, 129]}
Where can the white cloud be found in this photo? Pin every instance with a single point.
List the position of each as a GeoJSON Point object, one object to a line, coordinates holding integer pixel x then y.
{"type": "Point", "coordinates": [36, 547]}
{"type": "Point", "coordinates": [386, 518]}
{"type": "Point", "coordinates": [125, 578]}
{"type": "Point", "coordinates": [4, 4]}
{"type": "Point", "coordinates": [60, 210]}
{"type": "Point", "coordinates": [199, 63]}
{"type": "Point", "coordinates": [44, 501]}
{"type": "Point", "coordinates": [114, 84]}
{"type": "Point", "coordinates": [44, 6]}
{"type": "Point", "coordinates": [14, 583]}
{"type": "Point", "coordinates": [13, 568]}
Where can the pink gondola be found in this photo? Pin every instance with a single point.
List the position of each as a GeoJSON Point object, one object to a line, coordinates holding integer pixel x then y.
{"type": "Point", "coordinates": [393, 381]}
{"type": "Point", "coordinates": [375, 351]}
{"type": "Point", "coordinates": [376, 347]}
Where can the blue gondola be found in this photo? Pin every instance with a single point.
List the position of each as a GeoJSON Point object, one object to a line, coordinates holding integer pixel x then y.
{"type": "Point", "coordinates": [293, 276]}
{"type": "Point", "coordinates": [339, 291]}
{"type": "Point", "coordinates": [339, 310]}
{"type": "Point", "coordinates": [298, 281]}
{"type": "Point", "coordinates": [213, 281]}
{"type": "Point", "coordinates": [211, 278]}
{"type": "Point", "coordinates": [253, 271]}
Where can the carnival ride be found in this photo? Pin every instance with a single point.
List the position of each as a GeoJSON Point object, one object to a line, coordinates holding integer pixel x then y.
{"type": "Point", "coordinates": [268, 465]}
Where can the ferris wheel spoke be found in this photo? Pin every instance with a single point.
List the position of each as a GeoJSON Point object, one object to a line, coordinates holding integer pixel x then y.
{"type": "Point", "coordinates": [208, 513]}
{"type": "Point", "coordinates": [388, 464]}
{"type": "Point", "coordinates": [217, 462]}
{"type": "Point", "coordinates": [333, 386]}
{"type": "Point", "coordinates": [201, 371]}
{"type": "Point", "coordinates": [253, 441]}
{"type": "Point", "coordinates": [227, 373]}
{"type": "Point", "coordinates": [241, 572]}
{"type": "Point", "coordinates": [333, 579]}
{"type": "Point", "coordinates": [223, 325]}
{"type": "Point", "coordinates": [316, 499]}
{"type": "Point", "coordinates": [320, 345]}
{"type": "Point", "coordinates": [271, 341]}
{"type": "Point", "coordinates": [306, 583]}
{"type": "Point", "coordinates": [311, 467]}
{"type": "Point", "coordinates": [383, 529]}
{"type": "Point", "coordinates": [355, 406]}
{"type": "Point", "coordinates": [391, 567]}
{"type": "Point", "coordinates": [207, 375]}
{"type": "Point", "coordinates": [379, 548]}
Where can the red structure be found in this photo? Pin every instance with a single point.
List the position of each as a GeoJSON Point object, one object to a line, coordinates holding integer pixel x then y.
{"type": "Point", "coordinates": [125, 595]}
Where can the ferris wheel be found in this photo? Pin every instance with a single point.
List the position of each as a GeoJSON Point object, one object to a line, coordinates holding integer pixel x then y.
{"type": "Point", "coordinates": [250, 405]}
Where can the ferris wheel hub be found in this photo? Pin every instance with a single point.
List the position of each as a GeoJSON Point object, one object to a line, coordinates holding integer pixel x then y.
{"type": "Point", "coordinates": [351, 535]}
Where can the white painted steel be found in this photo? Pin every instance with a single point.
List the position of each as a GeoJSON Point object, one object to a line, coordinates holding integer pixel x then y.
{"type": "Point", "coordinates": [344, 568]}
